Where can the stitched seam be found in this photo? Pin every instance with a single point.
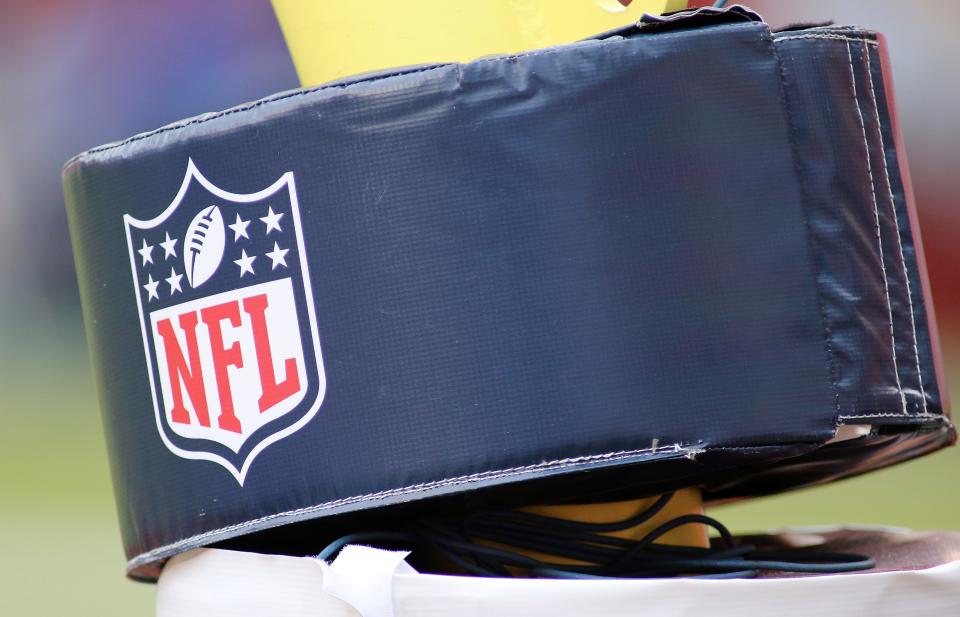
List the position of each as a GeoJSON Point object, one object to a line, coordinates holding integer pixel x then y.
{"type": "Point", "coordinates": [203, 118]}
{"type": "Point", "coordinates": [750, 448]}
{"type": "Point", "coordinates": [896, 222]}
{"type": "Point", "coordinates": [821, 300]}
{"type": "Point", "coordinates": [892, 415]}
{"type": "Point", "coordinates": [828, 37]}
{"type": "Point", "coordinates": [159, 552]}
{"type": "Point", "coordinates": [852, 29]}
{"type": "Point", "coordinates": [944, 420]}
{"type": "Point", "coordinates": [876, 213]}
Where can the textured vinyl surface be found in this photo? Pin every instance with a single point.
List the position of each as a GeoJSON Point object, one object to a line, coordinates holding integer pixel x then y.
{"type": "Point", "coordinates": [681, 252]}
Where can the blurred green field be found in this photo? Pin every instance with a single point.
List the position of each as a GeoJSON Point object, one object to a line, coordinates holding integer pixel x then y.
{"type": "Point", "coordinates": [60, 546]}
{"type": "Point", "coordinates": [60, 549]}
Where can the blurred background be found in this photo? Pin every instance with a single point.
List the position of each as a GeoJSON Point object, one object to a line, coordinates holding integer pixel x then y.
{"type": "Point", "coordinates": [75, 74]}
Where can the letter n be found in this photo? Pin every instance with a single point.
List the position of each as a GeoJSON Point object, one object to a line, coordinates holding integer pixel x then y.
{"type": "Point", "coordinates": [188, 375]}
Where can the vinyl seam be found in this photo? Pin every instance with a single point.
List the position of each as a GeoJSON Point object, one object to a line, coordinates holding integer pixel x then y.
{"type": "Point", "coordinates": [195, 540]}
{"type": "Point", "coordinates": [896, 222]}
{"type": "Point", "coordinates": [575, 461]}
{"type": "Point", "coordinates": [944, 420]}
{"type": "Point", "coordinates": [891, 415]}
{"type": "Point", "coordinates": [876, 212]}
{"type": "Point", "coordinates": [828, 37]}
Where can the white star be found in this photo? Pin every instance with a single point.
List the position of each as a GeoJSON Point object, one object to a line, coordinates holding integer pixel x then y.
{"type": "Point", "coordinates": [239, 228]}
{"type": "Point", "coordinates": [278, 256]}
{"type": "Point", "coordinates": [169, 247]}
{"type": "Point", "coordinates": [272, 220]}
{"type": "Point", "coordinates": [151, 287]}
{"type": "Point", "coordinates": [145, 252]}
{"type": "Point", "coordinates": [174, 281]}
{"type": "Point", "coordinates": [245, 263]}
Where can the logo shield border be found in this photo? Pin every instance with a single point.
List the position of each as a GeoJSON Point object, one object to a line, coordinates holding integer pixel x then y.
{"type": "Point", "coordinates": [285, 180]}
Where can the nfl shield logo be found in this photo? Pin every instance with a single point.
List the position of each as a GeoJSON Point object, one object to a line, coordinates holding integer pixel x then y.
{"type": "Point", "coordinates": [228, 320]}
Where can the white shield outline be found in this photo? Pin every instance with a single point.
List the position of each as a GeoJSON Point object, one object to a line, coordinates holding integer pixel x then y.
{"type": "Point", "coordinates": [285, 180]}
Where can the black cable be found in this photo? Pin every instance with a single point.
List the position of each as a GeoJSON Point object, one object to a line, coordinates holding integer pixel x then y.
{"type": "Point", "coordinates": [358, 538]}
{"type": "Point", "coordinates": [487, 543]}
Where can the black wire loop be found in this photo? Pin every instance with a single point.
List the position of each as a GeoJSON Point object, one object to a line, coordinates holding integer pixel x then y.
{"type": "Point", "coordinates": [489, 543]}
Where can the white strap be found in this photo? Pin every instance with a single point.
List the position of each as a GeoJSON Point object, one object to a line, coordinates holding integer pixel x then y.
{"type": "Point", "coordinates": [219, 583]}
{"type": "Point", "coordinates": [363, 578]}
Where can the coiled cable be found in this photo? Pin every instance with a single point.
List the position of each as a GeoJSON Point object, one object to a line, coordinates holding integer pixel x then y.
{"type": "Point", "coordinates": [491, 542]}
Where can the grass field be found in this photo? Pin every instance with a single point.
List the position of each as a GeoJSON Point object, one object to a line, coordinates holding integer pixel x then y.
{"type": "Point", "coordinates": [61, 550]}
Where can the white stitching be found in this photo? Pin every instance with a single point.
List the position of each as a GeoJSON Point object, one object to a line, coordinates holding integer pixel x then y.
{"type": "Point", "coordinates": [829, 37]}
{"type": "Point", "coordinates": [160, 552]}
{"type": "Point", "coordinates": [167, 549]}
{"type": "Point", "coordinates": [945, 420]}
{"type": "Point", "coordinates": [876, 213]}
{"type": "Point", "coordinates": [834, 28]}
{"type": "Point", "coordinates": [891, 415]}
{"type": "Point", "coordinates": [896, 222]}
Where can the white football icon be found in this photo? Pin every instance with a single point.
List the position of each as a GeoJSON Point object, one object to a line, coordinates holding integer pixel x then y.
{"type": "Point", "coordinates": [203, 246]}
